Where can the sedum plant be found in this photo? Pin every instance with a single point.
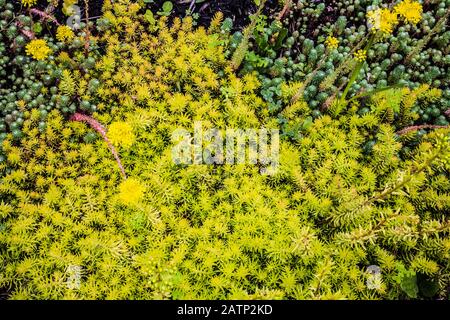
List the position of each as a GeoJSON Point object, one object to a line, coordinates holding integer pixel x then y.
{"type": "Point", "coordinates": [38, 68]}
{"type": "Point", "coordinates": [294, 45]}
{"type": "Point", "coordinates": [171, 231]}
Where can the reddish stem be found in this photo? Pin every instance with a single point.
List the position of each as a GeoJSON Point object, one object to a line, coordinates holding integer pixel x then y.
{"type": "Point", "coordinates": [287, 6]}
{"type": "Point", "coordinates": [44, 15]}
{"type": "Point", "coordinates": [27, 33]}
{"type": "Point", "coordinates": [415, 128]}
{"type": "Point", "coordinates": [97, 126]}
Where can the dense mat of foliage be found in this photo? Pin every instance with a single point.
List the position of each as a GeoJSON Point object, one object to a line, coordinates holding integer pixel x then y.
{"type": "Point", "coordinates": [311, 40]}
{"type": "Point", "coordinates": [99, 189]}
{"type": "Point", "coordinates": [37, 71]}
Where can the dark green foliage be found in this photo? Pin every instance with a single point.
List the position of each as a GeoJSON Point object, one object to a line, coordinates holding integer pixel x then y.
{"type": "Point", "coordinates": [44, 81]}
{"type": "Point", "coordinates": [406, 57]}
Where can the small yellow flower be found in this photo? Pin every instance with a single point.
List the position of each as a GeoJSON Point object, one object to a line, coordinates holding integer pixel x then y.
{"type": "Point", "coordinates": [38, 49]}
{"type": "Point", "coordinates": [64, 33]}
{"type": "Point", "coordinates": [410, 11]}
{"type": "Point", "coordinates": [131, 191]}
{"type": "Point", "coordinates": [332, 43]}
{"type": "Point", "coordinates": [360, 55]}
{"type": "Point", "coordinates": [382, 19]}
{"type": "Point", "coordinates": [121, 134]}
{"type": "Point", "coordinates": [29, 3]}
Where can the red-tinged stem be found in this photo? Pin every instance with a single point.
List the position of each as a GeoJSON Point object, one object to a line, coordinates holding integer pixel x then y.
{"type": "Point", "coordinates": [415, 128]}
{"type": "Point", "coordinates": [97, 126]}
{"type": "Point", "coordinates": [287, 6]}
{"type": "Point", "coordinates": [44, 15]}
{"type": "Point", "coordinates": [27, 33]}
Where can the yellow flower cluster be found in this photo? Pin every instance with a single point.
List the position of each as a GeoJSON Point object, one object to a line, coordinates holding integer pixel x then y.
{"type": "Point", "coordinates": [332, 43]}
{"type": "Point", "coordinates": [29, 3]}
{"type": "Point", "coordinates": [385, 19]}
{"type": "Point", "coordinates": [38, 49]}
{"type": "Point", "coordinates": [64, 33]}
{"type": "Point", "coordinates": [410, 11]}
{"type": "Point", "coordinates": [131, 191]}
{"type": "Point", "coordinates": [360, 55]}
{"type": "Point", "coordinates": [121, 134]}
{"type": "Point", "coordinates": [382, 19]}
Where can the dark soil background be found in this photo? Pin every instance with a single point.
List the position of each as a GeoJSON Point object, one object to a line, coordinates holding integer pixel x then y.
{"type": "Point", "coordinates": [3, 294]}
{"type": "Point", "coordinates": [238, 10]}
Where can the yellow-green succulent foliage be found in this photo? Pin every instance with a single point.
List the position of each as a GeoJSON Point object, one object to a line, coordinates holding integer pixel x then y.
{"type": "Point", "coordinates": [310, 231]}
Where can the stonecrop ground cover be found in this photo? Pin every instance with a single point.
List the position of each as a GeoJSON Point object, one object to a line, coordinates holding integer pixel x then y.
{"type": "Point", "coordinates": [93, 204]}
